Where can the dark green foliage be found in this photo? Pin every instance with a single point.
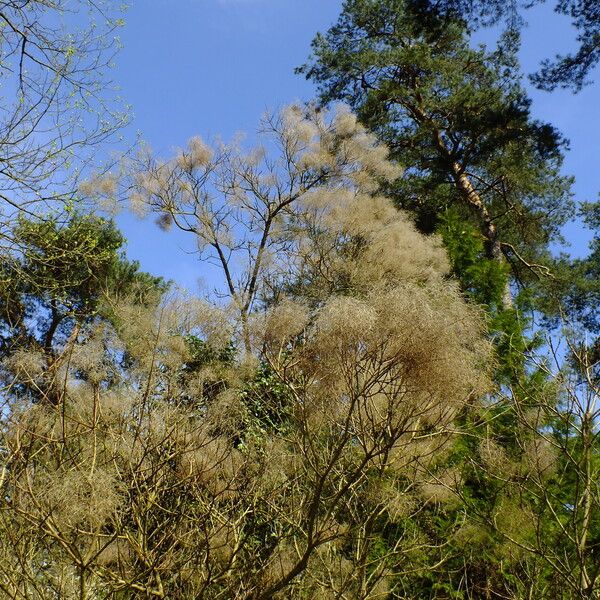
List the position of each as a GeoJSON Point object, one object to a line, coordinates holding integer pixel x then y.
{"type": "Point", "coordinates": [483, 279]}
{"type": "Point", "coordinates": [212, 363]}
{"type": "Point", "coordinates": [66, 262]}
{"type": "Point", "coordinates": [266, 398]}
{"type": "Point", "coordinates": [204, 355]}
{"type": "Point", "coordinates": [58, 269]}
{"type": "Point", "coordinates": [268, 401]}
{"type": "Point", "coordinates": [66, 269]}
{"type": "Point", "coordinates": [63, 276]}
{"type": "Point", "coordinates": [571, 71]}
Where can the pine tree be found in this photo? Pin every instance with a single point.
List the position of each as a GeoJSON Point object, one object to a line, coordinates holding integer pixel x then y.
{"type": "Point", "coordinates": [64, 277]}
{"type": "Point", "coordinates": [479, 170]}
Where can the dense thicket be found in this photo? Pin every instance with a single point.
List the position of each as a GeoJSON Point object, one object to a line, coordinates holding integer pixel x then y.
{"type": "Point", "coordinates": [486, 177]}
{"type": "Point", "coordinates": [281, 444]}
{"type": "Point", "coordinates": [360, 409]}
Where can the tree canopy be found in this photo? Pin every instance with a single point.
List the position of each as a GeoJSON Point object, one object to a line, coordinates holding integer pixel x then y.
{"type": "Point", "coordinates": [392, 389]}
{"type": "Point", "coordinates": [571, 71]}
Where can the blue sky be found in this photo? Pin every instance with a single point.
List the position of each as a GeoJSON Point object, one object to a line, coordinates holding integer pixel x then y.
{"type": "Point", "coordinates": [213, 67]}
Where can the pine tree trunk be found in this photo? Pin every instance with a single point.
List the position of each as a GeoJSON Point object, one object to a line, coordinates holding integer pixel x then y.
{"type": "Point", "coordinates": [488, 228]}
{"type": "Point", "coordinates": [475, 202]}
{"type": "Point", "coordinates": [469, 194]}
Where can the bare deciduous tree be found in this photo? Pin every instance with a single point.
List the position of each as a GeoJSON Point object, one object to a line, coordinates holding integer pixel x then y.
{"type": "Point", "coordinates": [56, 102]}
